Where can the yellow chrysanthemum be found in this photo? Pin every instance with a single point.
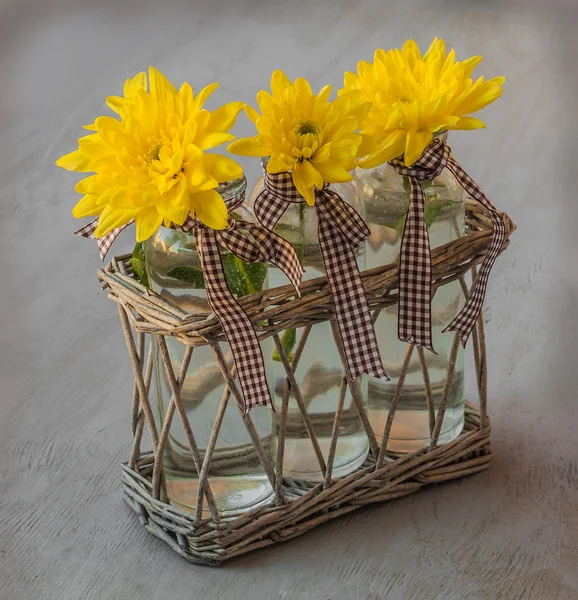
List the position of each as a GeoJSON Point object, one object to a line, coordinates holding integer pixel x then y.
{"type": "Point", "coordinates": [415, 96]}
{"type": "Point", "coordinates": [305, 133]}
{"type": "Point", "coordinates": [150, 164]}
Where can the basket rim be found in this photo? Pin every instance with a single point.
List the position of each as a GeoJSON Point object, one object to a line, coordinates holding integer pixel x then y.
{"type": "Point", "coordinates": [276, 309]}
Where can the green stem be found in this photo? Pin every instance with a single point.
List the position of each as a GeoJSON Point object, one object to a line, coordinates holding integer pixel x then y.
{"type": "Point", "coordinates": [289, 336]}
{"type": "Point", "coordinates": [300, 248]}
{"type": "Point", "coordinates": [249, 287]}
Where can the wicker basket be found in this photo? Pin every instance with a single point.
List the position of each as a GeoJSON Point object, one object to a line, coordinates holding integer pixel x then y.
{"type": "Point", "coordinates": [298, 506]}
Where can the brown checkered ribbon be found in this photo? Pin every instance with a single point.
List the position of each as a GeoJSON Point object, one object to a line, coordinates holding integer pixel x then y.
{"type": "Point", "coordinates": [262, 246]}
{"type": "Point", "coordinates": [341, 230]}
{"type": "Point", "coordinates": [415, 270]}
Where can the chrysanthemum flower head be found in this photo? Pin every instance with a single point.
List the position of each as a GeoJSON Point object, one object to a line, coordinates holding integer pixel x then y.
{"type": "Point", "coordinates": [415, 96]}
{"type": "Point", "coordinates": [307, 134]}
{"type": "Point", "coordinates": [150, 164]}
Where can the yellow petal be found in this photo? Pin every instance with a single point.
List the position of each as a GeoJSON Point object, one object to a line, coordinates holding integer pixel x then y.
{"type": "Point", "coordinates": [302, 85]}
{"type": "Point", "coordinates": [332, 172]}
{"type": "Point", "coordinates": [323, 95]}
{"type": "Point", "coordinates": [87, 206]}
{"type": "Point", "coordinates": [115, 103]}
{"type": "Point", "coordinates": [322, 153]}
{"type": "Point", "coordinates": [479, 98]}
{"type": "Point", "coordinates": [307, 191]}
{"type": "Point", "coordinates": [470, 64]}
{"type": "Point", "coordinates": [197, 176]}
{"type": "Point", "coordinates": [111, 218]}
{"type": "Point", "coordinates": [209, 207]}
{"type": "Point", "coordinates": [251, 113]}
{"type": "Point", "coordinates": [469, 123]}
{"type": "Point", "coordinates": [350, 80]}
{"type": "Point", "coordinates": [438, 46]}
{"type": "Point", "coordinates": [222, 168]}
{"type": "Point", "coordinates": [311, 174]}
{"type": "Point", "coordinates": [279, 83]}
{"type": "Point", "coordinates": [122, 198]}
{"type": "Point", "coordinates": [224, 117]}
{"type": "Point", "coordinates": [88, 185]}
{"type": "Point", "coordinates": [367, 146]}
{"type": "Point", "coordinates": [439, 124]}
{"type": "Point", "coordinates": [214, 139]}
{"type": "Point", "coordinates": [186, 94]}
{"type": "Point", "coordinates": [249, 147]}
{"type": "Point", "coordinates": [392, 147]}
{"type": "Point", "coordinates": [497, 80]}
{"type": "Point", "coordinates": [160, 86]}
{"type": "Point", "coordinates": [280, 164]}
{"type": "Point", "coordinates": [147, 221]}
{"type": "Point", "coordinates": [411, 52]}
{"type": "Point", "coordinates": [176, 206]}
{"type": "Point", "coordinates": [75, 161]}
{"type": "Point", "coordinates": [202, 96]}
{"type": "Point", "coordinates": [415, 144]}
{"type": "Point", "coordinates": [265, 102]}
{"type": "Point", "coordinates": [138, 82]}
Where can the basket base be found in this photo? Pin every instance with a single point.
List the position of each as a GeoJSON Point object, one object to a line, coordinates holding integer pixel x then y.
{"type": "Point", "coordinates": [306, 504]}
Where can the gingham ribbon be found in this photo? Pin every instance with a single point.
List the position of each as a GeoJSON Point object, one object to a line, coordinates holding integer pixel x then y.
{"type": "Point", "coordinates": [415, 270]}
{"type": "Point", "coordinates": [341, 230]}
{"type": "Point", "coordinates": [240, 333]}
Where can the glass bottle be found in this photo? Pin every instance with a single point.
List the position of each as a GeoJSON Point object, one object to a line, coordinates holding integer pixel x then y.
{"type": "Point", "coordinates": [236, 476]}
{"type": "Point", "coordinates": [319, 372]}
{"type": "Point", "coordinates": [386, 197]}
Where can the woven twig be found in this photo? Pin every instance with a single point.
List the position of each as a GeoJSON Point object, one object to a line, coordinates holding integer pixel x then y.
{"type": "Point", "coordinates": [212, 537]}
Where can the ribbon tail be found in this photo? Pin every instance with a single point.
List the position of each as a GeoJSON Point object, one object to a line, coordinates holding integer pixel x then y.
{"type": "Point", "coordinates": [279, 252]}
{"type": "Point", "coordinates": [105, 242]}
{"type": "Point", "coordinates": [236, 325]}
{"type": "Point", "coordinates": [415, 273]}
{"type": "Point", "coordinates": [466, 319]}
{"type": "Point", "coordinates": [351, 307]}
{"type": "Point", "coordinates": [88, 230]}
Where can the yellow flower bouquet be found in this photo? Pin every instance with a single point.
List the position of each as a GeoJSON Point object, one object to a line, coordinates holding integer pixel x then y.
{"type": "Point", "coordinates": [309, 144]}
{"type": "Point", "coordinates": [414, 97]}
{"type": "Point", "coordinates": [414, 197]}
{"type": "Point", "coordinates": [153, 165]}
{"type": "Point", "coordinates": [357, 189]}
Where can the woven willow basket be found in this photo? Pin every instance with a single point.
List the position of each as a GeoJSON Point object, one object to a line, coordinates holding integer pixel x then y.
{"type": "Point", "coordinates": [298, 505]}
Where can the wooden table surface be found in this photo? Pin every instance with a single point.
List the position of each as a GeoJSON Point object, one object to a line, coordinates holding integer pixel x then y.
{"type": "Point", "coordinates": [509, 533]}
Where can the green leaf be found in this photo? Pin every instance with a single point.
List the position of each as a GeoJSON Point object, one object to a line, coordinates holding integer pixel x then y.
{"type": "Point", "coordinates": [189, 275]}
{"type": "Point", "coordinates": [288, 340]}
{"type": "Point", "coordinates": [257, 273]}
{"type": "Point", "coordinates": [235, 280]}
{"type": "Point", "coordinates": [433, 208]}
{"type": "Point", "coordinates": [138, 264]}
{"type": "Point", "coordinates": [243, 278]}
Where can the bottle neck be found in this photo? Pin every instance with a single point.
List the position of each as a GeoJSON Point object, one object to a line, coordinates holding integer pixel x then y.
{"type": "Point", "coordinates": [232, 189]}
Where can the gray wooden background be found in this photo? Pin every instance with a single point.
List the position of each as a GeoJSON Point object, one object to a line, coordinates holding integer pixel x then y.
{"type": "Point", "coordinates": [65, 389]}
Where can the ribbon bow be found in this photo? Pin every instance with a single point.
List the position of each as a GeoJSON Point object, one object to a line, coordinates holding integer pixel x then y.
{"type": "Point", "coordinates": [240, 333]}
{"type": "Point", "coordinates": [341, 230]}
{"type": "Point", "coordinates": [415, 270]}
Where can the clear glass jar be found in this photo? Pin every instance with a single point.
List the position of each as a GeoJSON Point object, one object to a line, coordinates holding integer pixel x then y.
{"type": "Point", "coordinates": [237, 479]}
{"type": "Point", "coordinates": [386, 197]}
{"type": "Point", "coordinates": [320, 372]}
